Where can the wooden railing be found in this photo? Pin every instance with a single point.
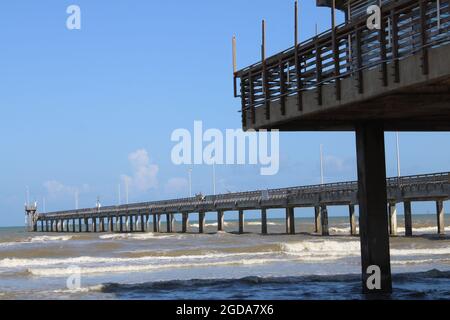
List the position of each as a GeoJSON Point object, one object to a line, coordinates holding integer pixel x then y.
{"type": "Point", "coordinates": [407, 27]}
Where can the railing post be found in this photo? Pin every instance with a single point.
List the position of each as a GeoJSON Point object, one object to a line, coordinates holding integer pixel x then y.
{"type": "Point", "coordinates": [337, 71]}
{"type": "Point", "coordinates": [383, 56]}
{"type": "Point", "coordinates": [282, 88]}
{"type": "Point", "coordinates": [423, 35]}
{"type": "Point", "coordinates": [318, 71]}
{"type": "Point", "coordinates": [243, 103]}
{"type": "Point", "coordinates": [394, 35]}
{"type": "Point", "coordinates": [359, 60]}
{"type": "Point", "coordinates": [252, 98]}
{"type": "Point", "coordinates": [298, 66]}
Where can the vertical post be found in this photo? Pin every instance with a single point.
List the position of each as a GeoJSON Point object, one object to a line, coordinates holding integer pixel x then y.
{"type": "Point", "coordinates": [42, 225]}
{"type": "Point", "coordinates": [94, 224]}
{"type": "Point", "coordinates": [130, 223]}
{"type": "Point", "coordinates": [234, 65]}
{"type": "Point", "coordinates": [423, 36]}
{"type": "Point", "coordinates": [111, 224]}
{"type": "Point", "coordinates": [168, 223]}
{"type": "Point", "coordinates": [440, 217]}
{"type": "Point", "coordinates": [352, 217]}
{"type": "Point", "coordinates": [121, 224]}
{"type": "Point", "coordinates": [264, 221]}
{"type": "Point", "coordinates": [80, 225]}
{"type": "Point", "coordinates": [297, 61]}
{"type": "Point", "coordinates": [142, 223]}
{"type": "Point", "coordinates": [317, 219]}
{"type": "Point", "coordinates": [172, 222]}
{"type": "Point", "coordinates": [86, 225]}
{"type": "Point", "coordinates": [382, 40]}
{"type": "Point", "coordinates": [185, 221]}
{"type": "Point", "coordinates": [220, 220]}
{"type": "Point", "coordinates": [291, 220]}
{"type": "Point", "coordinates": [201, 222]}
{"type": "Point", "coordinates": [73, 225]}
{"type": "Point", "coordinates": [147, 223]}
{"type": "Point", "coordinates": [241, 221]}
{"type": "Point", "coordinates": [394, 35]}
{"type": "Point", "coordinates": [288, 221]}
{"type": "Point", "coordinates": [155, 224]}
{"type": "Point", "coordinates": [408, 218]}
{"type": "Point", "coordinates": [46, 225]}
{"type": "Point", "coordinates": [335, 48]}
{"type": "Point", "coordinates": [158, 222]}
{"type": "Point", "coordinates": [392, 219]}
{"type": "Point", "coordinates": [265, 75]}
{"type": "Point", "coordinates": [324, 220]}
{"type": "Point", "coordinates": [318, 51]}
{"type": "Point", "coordinates": [373, 218]}
{"type": "Point", "coordinates": [359, 61]}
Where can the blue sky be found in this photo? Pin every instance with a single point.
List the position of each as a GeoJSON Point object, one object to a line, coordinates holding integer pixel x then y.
{"type": "Point", "coordinates": [79, 105]}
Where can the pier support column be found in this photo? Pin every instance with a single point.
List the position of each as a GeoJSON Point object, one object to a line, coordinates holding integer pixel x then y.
{"type": "Point", "coordinates": [121, 224]}
{"type": "Point", "coordinates": [168, 223]}
{"type": "Point", "coordinates": [219, 220]}
{"type": "Point", "coordinates": [288, 221]}
{"type": "Point", "coordinates": [317, 220]}
{"type": "Point", "coordinates": [74, 226]}
{"type": "Point", "coordinates": [147, 222]}
{"type": "Point", "coordinates": [440, 217]}
{"type": "Point", "coordinates": [155, 224]}
{"type": "Point", "coordinates": [408, 218]}
{"type": "Point", "coordinates": [185, 222]}
{"type": "Point", "coordinates": [392, 219]}
{"type": "Point", "coordinates": [143, 223]}
{"type": "Point", "coordinates": [131, 223]}
{"type": "Point", "coordinates": [201, 222]}
{"type": "Point", "coordinates": [373, 217]}
{"type": "Point", "coordinates": [158, 222]}
{"type": "Point", "coordinates": [241, 221]}
{"type": "Point", "coordinates": [324, 220]}
{"type": "Point", "coordinates": [56, 225]}
{"type": "Point", "coordinates": [352, 218]}
{"type": "Point", "coordinates": [42, 225]}
{"type": "Point", "coordinates": [172, 223]}
{"type": "Point", "coordinates": [291, 214]}
{"type": "Point", "coordinates": [264, 221]}
{"type": "Point", "coordinates": [46, 226]}
{"type": "Point", "coordinates": [111, 224]}
{"type": "Point", "coordinates": [94, 224]}
{"type": "Point", "coordinates": [80, 225]}
{"type": "Point", "coordinates": [51, 226]}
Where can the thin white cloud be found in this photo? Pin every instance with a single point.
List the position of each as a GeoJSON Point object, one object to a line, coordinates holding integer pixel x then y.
{"type": "Point", "coordinates": [176, 185]}
{"type": "Point", "coordinates": [57, 189]}
{"type": "Point", "coordinates": [144, 173]}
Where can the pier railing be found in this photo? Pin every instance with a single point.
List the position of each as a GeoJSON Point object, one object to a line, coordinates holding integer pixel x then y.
{"type": "Point", "coordinates": [407, 27]}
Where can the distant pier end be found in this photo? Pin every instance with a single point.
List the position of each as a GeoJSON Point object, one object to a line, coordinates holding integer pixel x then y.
{"type": "Point", "coordinates": [395, 77]}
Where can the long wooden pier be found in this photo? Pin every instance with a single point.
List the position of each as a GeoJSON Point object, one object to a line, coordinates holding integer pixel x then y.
{"type": "Point", "coordinates": [146, 216]}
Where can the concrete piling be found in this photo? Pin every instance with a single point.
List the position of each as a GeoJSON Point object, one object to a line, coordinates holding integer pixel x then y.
{"type": "Point", "coordinates": [392, 219]}
{"type": "Point", "coordinates": [440, 217]}
{"type": "Point", "coordinates": [408, 218]}
{"type": "Point", "coordinates": [241, 221]}
{"type": "Point", "coordinates": [201, 222]}
{"type": "Point", "coordinates": [219, 220]}
{"type": "Point", "coordinates": [352, 218]}
{"type": "Point", "coordinates": [263, 221]}
{"type": "Point", "coordinates": [185, 222]}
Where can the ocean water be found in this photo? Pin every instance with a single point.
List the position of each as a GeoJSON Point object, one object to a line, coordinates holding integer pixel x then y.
{"type": "Point", "coordinates": [217, 265]}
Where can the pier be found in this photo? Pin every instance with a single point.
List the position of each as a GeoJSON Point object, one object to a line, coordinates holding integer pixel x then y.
{"type": "Point", "coordinates": [146, 216]}
{"type": "Point", "coordinates": [392, 77]}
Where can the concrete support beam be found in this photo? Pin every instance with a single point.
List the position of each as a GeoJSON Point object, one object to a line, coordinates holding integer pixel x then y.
{"type": "Point", "coordinates": [291, 215]}
{"type": "Point", "coordinates": [241, 221]}
{"type": "Point", "coordinates": [51, 226]}
{"type": "Point", "coordinates": [86, 225]}
{"type": "Point", "coordinates": [73, 226]}
{"type": "Point", "coordinates": [172, 223]}
{"type": "Point", "coordinates": [324, 220]}
{"type": "Point", "coordinates": [201, 222]}
{"type": "Point", "coordinates": [155, 224]}
{"type": "Point", "coordinates": [352, 219]}
{"type": "Point", "coordinates": [408, 218]}
{"type": "Point", "coordinates": [94, 224]}
{"type": "Point", "coordinates": [56, 225]}
{"type": "Point", "coordinates": [219, 220]}
{"type": "Point", "coordinates": [80, 225]}
{"type": "Point", "coordinates": [158, 222]}
{"type": "Point", "coordinates": [147, 222]}
{"type": "Point", "coordinates": [373, 217]}
{"type": "Point", "coordinates": [317, 220]}
{"type": "Point", "coordinates": [46, 226]}
{"type": "Point", "coordinates": [185, 222]}
{"type": "Point", "coordinates": [264, 221]}
{"type": "Point", "coordinates": [392, 219]}
{"type": "Point", "coordinates": [440, 217]}
{"type": "Point", "coordinates": [111, 224]}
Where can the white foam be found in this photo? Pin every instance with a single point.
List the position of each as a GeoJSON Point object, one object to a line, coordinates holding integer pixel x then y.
{"type": "Point", "coordinates": [50, 238]}
{"type": "Point", "coordinates": [137, 236]}
{"type": "Point", "coordinates": [327, 248]}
